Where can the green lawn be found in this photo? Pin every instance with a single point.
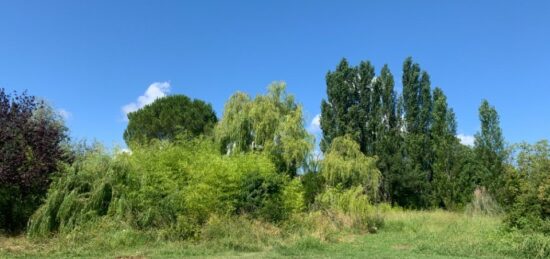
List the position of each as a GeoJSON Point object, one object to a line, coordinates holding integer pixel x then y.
{"type": "Point", "coordinates": [409, 234]}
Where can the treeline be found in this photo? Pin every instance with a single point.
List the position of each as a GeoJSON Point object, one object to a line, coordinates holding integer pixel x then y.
{"type": "Point", "coordinates": [423, 163]}
{"type": "Point", "coordinates": [186, 169]}
{"type": "Point", "coordinates": [413, 135]}
{"type": "Point", "coordinates": [188, 174]}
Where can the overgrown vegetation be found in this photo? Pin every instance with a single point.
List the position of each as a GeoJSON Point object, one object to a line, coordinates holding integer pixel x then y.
{"type": "Point", "coordinates": [406, 234]}
{"type": "Point", "coordinates": [528, 188]}
{"type": "Point", "coordinates": [252, 182]}
{"type": "Point", "coordinates": [170, 187]}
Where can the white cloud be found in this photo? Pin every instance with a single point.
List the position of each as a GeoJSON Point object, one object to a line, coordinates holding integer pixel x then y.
{"type": "Point", "coordinates": [64, 114]}
{"type": "Point", "coordinates": [122, 151]}
{"type": "Point", "coordinates": [466, 139]}
{"type": "Point", "coordinates": [315, 125]}
{"type": "Point", "coordinates": [154, 91]}
{"type": "Point", "coordinates": [126, 151]}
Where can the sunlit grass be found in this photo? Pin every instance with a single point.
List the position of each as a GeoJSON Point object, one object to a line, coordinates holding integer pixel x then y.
{"type": "Point", "coordinates": [406, 234]}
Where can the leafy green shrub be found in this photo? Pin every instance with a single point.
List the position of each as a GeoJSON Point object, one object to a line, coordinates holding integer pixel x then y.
{"type": "Point", "coordinates": [170, 188]}
{"type": "Point", "coordinates": [313, 184]}
{"type": "Point", "coordinates": [260, 196]}
{"type": "Point", "coordinates": [82, 193]}
{"type": "Point", "coordinates": [534, 246]}
{"type": "Point", "coordinates": [530, 189]}
{"type": "Point", "coordinates": [352, 203]}
{"type": "Point", "coordinates": [531, 210]}
{"type": "Point", "coordinates": [293, 197]}
{"type": "Point", "coordinates": [351, 180]}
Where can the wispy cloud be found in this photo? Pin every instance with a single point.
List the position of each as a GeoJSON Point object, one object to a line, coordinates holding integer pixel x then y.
{"type": "Point", "coordinates": [315, 125]}
{"type": "Point", "coordinates": [154, 91]}
{"type": "Point", "coordinates": [466, 139]}
{"type": "Point", "coordinates": [64, 114]}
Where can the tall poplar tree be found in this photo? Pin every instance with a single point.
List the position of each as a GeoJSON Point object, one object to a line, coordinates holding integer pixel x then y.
{"type": "Point", "coordinates": [347, 109]}
{"type": "Point", "coordinates": [451, 180]}
{"type": "Point", "coordinates": [489, 147]}
{"type": "Point", "coordinates": [411, 95]}
{"type": "Point", "coordinates": [364, 107]}
{"type": "Point", "coordinates": [334, 109]}
{"type": "Point", "coordinates": [415, 179]}
{"type": "Point", "coordinates": [413, 135]}
{"type": "Point", "coordinates": [388, 135]}
{"type": "Point", "coordinates": [425, 123]}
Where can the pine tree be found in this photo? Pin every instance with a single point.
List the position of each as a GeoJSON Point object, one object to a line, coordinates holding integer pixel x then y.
{"type": "Point", "coordinates": [167, 118]}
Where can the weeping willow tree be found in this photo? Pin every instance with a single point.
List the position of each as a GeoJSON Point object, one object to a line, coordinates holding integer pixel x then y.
{"type": "Point", "coordinates": [352, 184]}
{"type": "Point", "coordinates": [270, 124]}
{"type": "Point", "coordinates": [345, 166]}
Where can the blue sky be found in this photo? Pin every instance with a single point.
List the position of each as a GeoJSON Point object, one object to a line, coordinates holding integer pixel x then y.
{"type": "Point", "coordinates": [93, 58]}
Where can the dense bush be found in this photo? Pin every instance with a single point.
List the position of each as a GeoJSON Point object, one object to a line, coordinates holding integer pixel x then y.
{"type": "Point", "coordinates": [32, 141]}
{"type": "Point", "coordinates": [346, 185]}
{"type": "Point", "coordinates": [313, 183]}
{"type": "Point", "coordinates": [170, 188]}
{"type": "Point", "coordinates": [354, 204]}
{"type": "Point", "coordinates": [528, 188]}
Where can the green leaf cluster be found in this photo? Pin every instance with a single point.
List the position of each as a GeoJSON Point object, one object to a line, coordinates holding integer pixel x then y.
{"type": "Point", "coordinates": [271, 124]}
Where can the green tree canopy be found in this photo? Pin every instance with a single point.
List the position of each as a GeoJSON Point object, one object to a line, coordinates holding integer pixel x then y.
{"type": "Point", "coordinates": [414, 183]}
{"type": "Point", "coordinates": [271, 123]}
{"type": "Point", "coordinates": [454, 167]}
{"type": "Point", "coordinates": [489, 146]}
{"type": "Point", "coordinates": [349, 105]}
{"type": "Point", "coordinates": [365, 108]}
{"type": "Point", "coordinates": [32, 146]}
{"type": "Point", "coordinates": [168, 117]}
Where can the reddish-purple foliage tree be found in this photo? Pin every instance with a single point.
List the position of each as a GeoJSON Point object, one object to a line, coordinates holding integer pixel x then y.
{"type": "Point", "coordinates": [31, 138]}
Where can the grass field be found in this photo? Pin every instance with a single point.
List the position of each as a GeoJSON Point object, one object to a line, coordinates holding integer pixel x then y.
{"type": "Point", "coordinates": [406, 234]}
